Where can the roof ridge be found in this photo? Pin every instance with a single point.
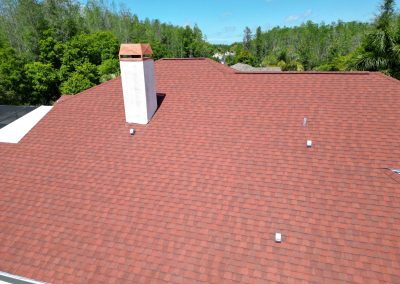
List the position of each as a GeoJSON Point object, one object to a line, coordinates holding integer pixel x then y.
{"type": "Point", "coordinates": [178, 58]}
{"type": "Point", "coordinates": [63, 98]}
{"type": "Point", "coordinates": [78, 95]}
{"type": "Point", "coordinates": [306, 72]}
{"type": "Point", "coordinates": [380, 74]}
{"type": "Point", "coordinates": [222, 67]}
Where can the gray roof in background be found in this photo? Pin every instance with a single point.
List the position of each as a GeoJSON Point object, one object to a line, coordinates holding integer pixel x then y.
{"type": "Point", "coordinates": [247, 68]}
{"type": "Point", "coordinates": [10, 113]}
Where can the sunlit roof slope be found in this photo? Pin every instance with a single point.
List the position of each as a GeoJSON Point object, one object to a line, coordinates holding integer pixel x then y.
{"type": "Point", "coordinates": [199, 193]}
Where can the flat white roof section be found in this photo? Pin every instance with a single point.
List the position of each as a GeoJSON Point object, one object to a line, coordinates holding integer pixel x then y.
{"type": "Point", "coordinates": [15, 279]}
{"type": "Point", "coordinates": [15, 131]}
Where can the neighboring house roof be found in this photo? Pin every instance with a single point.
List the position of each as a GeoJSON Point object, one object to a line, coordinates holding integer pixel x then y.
{"type": "Point", "coordinates": [247, 68]}
{"type": "Point", "coordinates": [223, 55]}
{"type": "Point", "coordinates": [9, 113]}
{"type": "Point", "coordinates": [198, 194]}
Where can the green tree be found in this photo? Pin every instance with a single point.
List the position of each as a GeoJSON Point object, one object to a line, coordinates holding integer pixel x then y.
{"type": "Point", "coordinates": [245, 56]}
{"type": "Point", "coordinates": [13, 83]}
{"type": "Point", "coordinates": [23, 23]}
{"type": "Point", "coordinates": [259, 54]}
{"type": "Point", "coordinates": [270, 60]}
{"type": "Point", "coordinates": [50, 50]}
{"type": "Point", "coordinates": [76, 83]}
{"type": "Point", "coordinates": [44, 82]}
{"type": "Point", "coordinates": [86, 73]}
{"type": "Point", "coordinates": [309, 45]}
{"type": "Point", "coordinates": [83, 53]}
{"type": "Point", "coordinates": [63, 17]}
{"type": "Point", "coordinates": [199, 46]}
{"type": "Point", "coordinates": [380, 50]}
{"type": "Point", "coordinates": [288, 61]}
{"type": "Point", "coordinates": [50, 47]}
{"type": "Point", "coordinates": [108, 69]}
{"type": "Point", "coordinates": [247, 37]}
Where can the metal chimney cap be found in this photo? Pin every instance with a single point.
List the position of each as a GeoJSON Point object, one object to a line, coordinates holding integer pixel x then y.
{"type": "Point", "coordinates": [130, 51]}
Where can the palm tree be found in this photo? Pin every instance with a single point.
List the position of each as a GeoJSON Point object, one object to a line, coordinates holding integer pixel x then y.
{"type": "Point", "coordinates": [381, 47]}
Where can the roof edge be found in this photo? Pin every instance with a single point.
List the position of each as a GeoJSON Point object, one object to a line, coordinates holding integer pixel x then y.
{"type": "Point", "coordinates": [380, 74]}
{"type": "Point", "coordinates": [177, 58]}
{"type": "Point", "coordinates": [306, 72]}
{"type": "Point", "coordinates": [67, 98]}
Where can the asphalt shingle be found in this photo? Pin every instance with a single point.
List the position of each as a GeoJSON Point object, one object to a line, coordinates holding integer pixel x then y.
{"type": "Point", "coordinates": [198, 194]}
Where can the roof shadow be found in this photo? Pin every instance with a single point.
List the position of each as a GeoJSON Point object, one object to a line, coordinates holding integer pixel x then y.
{"type": "Point", "coordinates": [160, 99]}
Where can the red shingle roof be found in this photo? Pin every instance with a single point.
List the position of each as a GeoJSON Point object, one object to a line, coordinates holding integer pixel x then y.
{"type": "Point", "coordinates": [198, 194]}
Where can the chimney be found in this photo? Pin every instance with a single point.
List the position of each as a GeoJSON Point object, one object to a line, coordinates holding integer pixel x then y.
{"type": "Point", "coordinates": [138, 82]}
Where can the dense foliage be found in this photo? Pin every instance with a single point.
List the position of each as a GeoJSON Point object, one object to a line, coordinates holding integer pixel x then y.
{"type": "Point", "coordinates": [54, 47]}
{"type": "Point", "coordinates": [326, 47]}
{"type": "Point", "coordinates": [306, 47]}
{"type": "Point", "coordinates": [380, 50]}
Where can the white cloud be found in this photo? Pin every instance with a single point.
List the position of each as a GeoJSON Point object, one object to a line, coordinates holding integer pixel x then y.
{"type": "Point", "coordinates": [292, 18]}
{"type": "Point", "coordinates": [230, 29]}
{"type": "Point", "coordinates": [307, 13]}
{"type": "Point", "coordinates": [226, 14]}
{"type": "Point", "coordinates": [295, 18]}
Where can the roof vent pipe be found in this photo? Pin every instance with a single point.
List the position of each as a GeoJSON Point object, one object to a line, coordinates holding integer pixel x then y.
{"type": "Point", "coordinates": [309, 143]}
{"type": "Point", "coordinates": [138, 82]}
{"type": "Point", "coordinates": [278, 237]}
{"type": "Point", "coordinates": [396, 171]}
{"type": "Point", "coordinates": [305, 121]}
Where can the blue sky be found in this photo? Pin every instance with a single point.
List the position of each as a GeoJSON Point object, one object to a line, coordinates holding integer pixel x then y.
{"type": "Point", "coordinates": [223, 21]}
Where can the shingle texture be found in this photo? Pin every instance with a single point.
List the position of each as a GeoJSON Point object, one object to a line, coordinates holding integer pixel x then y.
{"type": "Point", "coordinates": [197, 195]}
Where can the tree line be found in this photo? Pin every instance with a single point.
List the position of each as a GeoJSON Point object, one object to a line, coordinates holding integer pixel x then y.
{"type": "Point", "coordinates": [54, 47]}
{"type": "Point", "coordinates": [338, 46]}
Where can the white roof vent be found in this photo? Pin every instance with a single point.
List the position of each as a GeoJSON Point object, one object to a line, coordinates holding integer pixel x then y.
{"type": "Point", "coordinates": [309, 143]}
{"type": "Point", "coordinates": [305, 121]}
{"type": "Point", "coordinates": [278, 237]}
{"type": "Point", "coordinates": [132, 131]}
